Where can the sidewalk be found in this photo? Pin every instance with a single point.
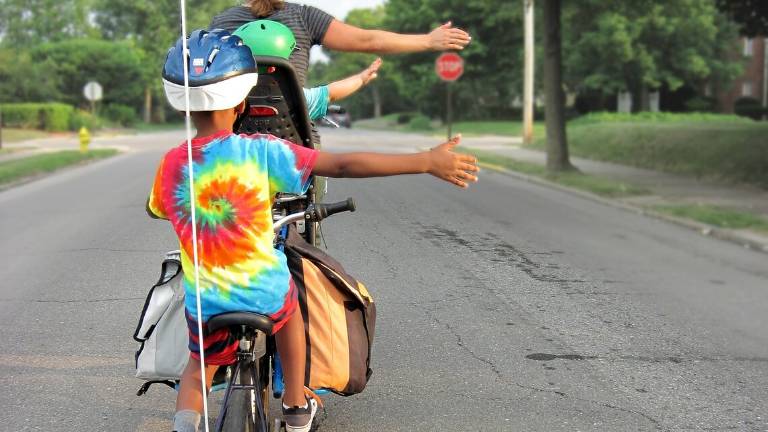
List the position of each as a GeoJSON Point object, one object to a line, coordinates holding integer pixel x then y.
{"type": "Point", "coordinates": [63, 141]}
{"type": "Point", "coordinates": [666, 189]}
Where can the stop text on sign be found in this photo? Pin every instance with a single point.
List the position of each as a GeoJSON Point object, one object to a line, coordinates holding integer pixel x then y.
{"type": "Point", "coordinates": [449, 66]}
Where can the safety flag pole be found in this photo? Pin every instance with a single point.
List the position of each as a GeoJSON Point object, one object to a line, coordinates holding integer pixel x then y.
{"type": "Point", "coordinates": [192, 206]}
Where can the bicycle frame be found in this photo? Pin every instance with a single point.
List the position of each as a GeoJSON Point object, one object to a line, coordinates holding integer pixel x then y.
{"type": "Point", "coordinates": [252, 349]}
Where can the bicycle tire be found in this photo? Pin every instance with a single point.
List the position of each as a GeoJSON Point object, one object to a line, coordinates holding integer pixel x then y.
{"type": "Point", "coordinates": [241, 413]}
{"type": "Point", "coordinates": [239, 416]}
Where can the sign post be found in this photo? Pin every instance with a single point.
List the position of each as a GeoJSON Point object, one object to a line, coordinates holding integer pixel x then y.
{"type": "Point", "coordinates": [449, 67]}
{"type": "Point", "coordinates": [93, 92]}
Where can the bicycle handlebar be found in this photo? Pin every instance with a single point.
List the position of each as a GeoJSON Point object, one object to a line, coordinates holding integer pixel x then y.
{"type": "Point", "coordinates": [324, 210]}
{"type": "Point", "coordinates": [316, 213]}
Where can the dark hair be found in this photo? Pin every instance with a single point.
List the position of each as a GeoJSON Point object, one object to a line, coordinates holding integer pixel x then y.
{"type": "Point", "coordinates": [262, 8]}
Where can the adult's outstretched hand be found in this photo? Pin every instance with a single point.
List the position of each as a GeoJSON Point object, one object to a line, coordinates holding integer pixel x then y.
{"type": "Point", "coordinates": [447, 37]}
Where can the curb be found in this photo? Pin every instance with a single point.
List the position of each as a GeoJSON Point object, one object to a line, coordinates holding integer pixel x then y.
{"type": "Point", "coordinates": [702, 228]}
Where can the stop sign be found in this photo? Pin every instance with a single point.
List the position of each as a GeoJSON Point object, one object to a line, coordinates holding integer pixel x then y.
{"type": "Point", "coordinates": [449, 66]}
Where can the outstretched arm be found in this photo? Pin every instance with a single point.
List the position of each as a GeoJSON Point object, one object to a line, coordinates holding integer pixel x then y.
{"type": "Point", "coordinates": [345, 87]}
{"type": "Point", "coordinates": [440, 162]}
{"type": "Point", "coordinates": [345, 37]}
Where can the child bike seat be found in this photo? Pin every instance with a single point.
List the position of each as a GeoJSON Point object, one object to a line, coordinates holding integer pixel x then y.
{"type": "Point", "coordinates": [249, 319]}
{"type": "Point", "coordinates": [276, 104]}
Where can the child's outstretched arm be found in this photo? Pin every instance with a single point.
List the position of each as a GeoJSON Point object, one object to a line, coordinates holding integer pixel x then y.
{"type": "Point", "coordinates": [345, 87]}
{"type": "Point", "coordinates": [440, 162]}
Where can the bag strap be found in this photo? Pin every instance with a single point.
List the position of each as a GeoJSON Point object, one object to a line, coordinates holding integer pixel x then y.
{"type": "Point", "coordinates": [144, 387]}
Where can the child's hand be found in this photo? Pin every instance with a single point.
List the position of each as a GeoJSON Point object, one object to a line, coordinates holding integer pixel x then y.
{"type": "Point", "coordinates": [371, 72]}
{"type": "Point", "coordinates": [452, 167]}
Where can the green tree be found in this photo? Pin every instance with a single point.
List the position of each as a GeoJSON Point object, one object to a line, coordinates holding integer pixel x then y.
{"type": "Point", "coordinates": [117, 66]}
{"type": "Point", "coordinates": [23, 79]}
{"type": "Point", "coordinates": [644, 45]}
{"type": "Point", "coordinates": [751, 15]}
{"type": "Point", "coordinates": [381, 93]}
{"type": "Point", "coordinates": [34, 21]}
{"type": "Point", "coordinates": [493, 60]}
{"type": "Point", "coordinates": [153, 25]}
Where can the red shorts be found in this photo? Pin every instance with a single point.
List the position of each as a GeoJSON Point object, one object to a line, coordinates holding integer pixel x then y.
{"type": "Point", "coordinates": [221, 346]}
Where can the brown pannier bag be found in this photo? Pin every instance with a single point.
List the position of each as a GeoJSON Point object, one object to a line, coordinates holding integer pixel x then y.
{"type": "Point", "coordinates": [339, 319]}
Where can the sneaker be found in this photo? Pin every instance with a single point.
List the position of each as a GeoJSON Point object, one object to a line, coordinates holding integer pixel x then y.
{"type": "Point", "coordinates": [298, 419]}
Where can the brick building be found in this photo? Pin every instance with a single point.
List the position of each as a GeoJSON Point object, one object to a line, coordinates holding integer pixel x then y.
{"type": "Point", "coordinates": [754, 82]}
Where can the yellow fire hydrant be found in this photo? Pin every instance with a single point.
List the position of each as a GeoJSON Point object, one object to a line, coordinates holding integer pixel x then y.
{"type": "Point", "coordinates": [85, 139]}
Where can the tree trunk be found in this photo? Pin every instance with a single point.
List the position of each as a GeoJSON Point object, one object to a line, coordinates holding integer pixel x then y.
{"type": "Point", "coordinates": [147, 104]}
{"type": "Point", "coordinates": [376, 101]}
{"type": "Point", "coordinates": [645, 98]}
{"type": "Point", "coordinates": [158, 115]}
{"type": "Point", "coordinates": [557, 142]}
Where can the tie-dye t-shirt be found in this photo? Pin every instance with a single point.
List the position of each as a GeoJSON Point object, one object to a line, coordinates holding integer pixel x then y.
{"type": "Point", "coordinates": [236, 177]}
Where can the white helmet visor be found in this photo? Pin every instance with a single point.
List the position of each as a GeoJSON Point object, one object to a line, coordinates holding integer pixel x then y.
{"type": "Point", "coordinates": [212, 97]}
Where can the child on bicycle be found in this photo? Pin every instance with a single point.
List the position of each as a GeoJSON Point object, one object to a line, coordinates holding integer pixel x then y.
{"type": "Point", "coordinates": [271, 38]}
{"type": "Point", "coordinates": [235, 178]}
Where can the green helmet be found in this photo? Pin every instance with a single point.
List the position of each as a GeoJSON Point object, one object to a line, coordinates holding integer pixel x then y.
{"type": "Point", "coordinates": [267, 38]}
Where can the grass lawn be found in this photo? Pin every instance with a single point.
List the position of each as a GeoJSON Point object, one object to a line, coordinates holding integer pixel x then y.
{"type": "Point", "coordinates": [13, 135]}
{"type": "Point", "coordinates": [505, 128]}
{"type": "Point", "coordinates": [468, 128]}
{"type": "Point", "coordinates": [47, 162]}
{"type": "Point", "coordinates": [594, 184]}
{"type": "Point", "coordinates": [717, 216]}
{"type": "Point", "coordinates": [734, 151]}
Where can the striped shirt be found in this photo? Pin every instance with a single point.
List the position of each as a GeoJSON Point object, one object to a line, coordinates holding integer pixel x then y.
{"type": "Point", "coordinates": [307, 23]}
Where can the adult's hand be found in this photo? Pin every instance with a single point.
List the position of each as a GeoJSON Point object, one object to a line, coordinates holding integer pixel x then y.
{"type": "Point", "coordinates": [446, 37]}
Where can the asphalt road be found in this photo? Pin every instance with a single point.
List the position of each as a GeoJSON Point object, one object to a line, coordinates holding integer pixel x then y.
{"type": "Point", "coordinates": [507, 307]}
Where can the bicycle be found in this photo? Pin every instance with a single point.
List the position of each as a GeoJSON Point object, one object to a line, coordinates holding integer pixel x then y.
{"type": "Point", "coordinates": [246, 399]}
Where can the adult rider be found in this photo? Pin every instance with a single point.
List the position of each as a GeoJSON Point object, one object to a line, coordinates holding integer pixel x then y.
{"type": "Point", "coordinates": [311, 26]}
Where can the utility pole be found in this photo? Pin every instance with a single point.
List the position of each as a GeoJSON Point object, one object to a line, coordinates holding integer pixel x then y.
{"type": "Point", "coordinates": [528, 74]}
{"type": "Point", "coordinates": [765, 78]}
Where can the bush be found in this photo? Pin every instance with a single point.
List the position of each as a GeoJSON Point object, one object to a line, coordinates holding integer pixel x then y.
{"type": "Point", "coordinates": [47, 116]}
{"type": "Point", "coordinates": [658, 117]}
{"type": "Point", "coordinates": [121, 114]}
{"type": "Point", "coordinates": [55, 116]}
{"type": "Point", "coordinates": [420, 123]}
{"type": "Point", "coordinates": [24, 116]}
{"type": "Point", "coordinates": [82, 118]}
{"type": "Point", "coordinates": [748, 107]}
{"type": "Point", "coordinates": [404, 118]}
{"type": "Point", "coordinates": [701, 104]}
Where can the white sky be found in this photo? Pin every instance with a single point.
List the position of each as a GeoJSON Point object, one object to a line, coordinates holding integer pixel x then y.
{"type": "Point", "coordinates": [339, 9]}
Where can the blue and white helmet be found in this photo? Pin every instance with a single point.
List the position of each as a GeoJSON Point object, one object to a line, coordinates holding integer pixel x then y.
{"type": "Point", "coordinates": [222, 71]}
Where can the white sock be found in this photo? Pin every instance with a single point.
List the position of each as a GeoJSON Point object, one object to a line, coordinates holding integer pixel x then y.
{"type": "Point", "coordinates": [301, 407]}
{"type": "Point", "coordinates": [186, 421]}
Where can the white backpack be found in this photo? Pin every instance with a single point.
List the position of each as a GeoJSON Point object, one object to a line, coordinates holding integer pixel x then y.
{"type": "Point", "coordinates": [162, 328]}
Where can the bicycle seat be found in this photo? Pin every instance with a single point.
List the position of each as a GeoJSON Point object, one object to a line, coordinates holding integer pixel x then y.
{"type": "Point", "coordinates": [250, 319]}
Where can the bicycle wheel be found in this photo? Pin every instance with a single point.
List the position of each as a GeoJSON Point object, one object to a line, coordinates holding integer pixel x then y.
{"type": "Point", "coordinates": [242, 412]}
